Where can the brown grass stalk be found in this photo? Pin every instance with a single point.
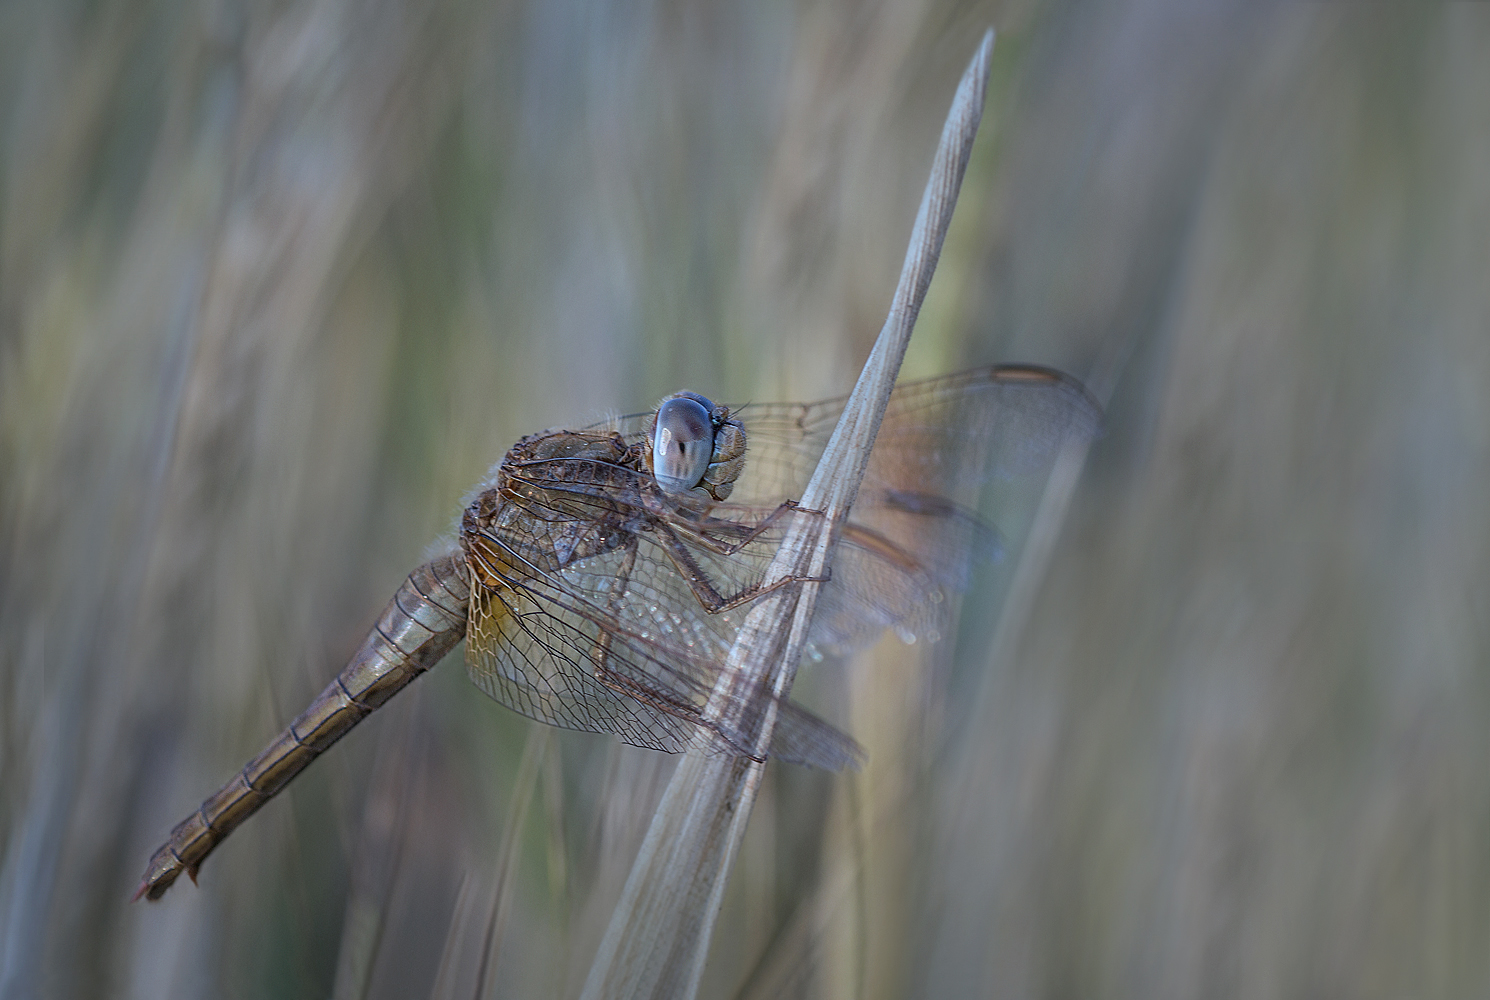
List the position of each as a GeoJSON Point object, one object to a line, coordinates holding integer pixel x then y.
{"type": "Point", "coordinates": [659, 933]}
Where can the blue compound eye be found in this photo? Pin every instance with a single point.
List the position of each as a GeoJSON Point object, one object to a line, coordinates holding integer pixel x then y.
{"type": "Point", "coordinates": [682, 444]}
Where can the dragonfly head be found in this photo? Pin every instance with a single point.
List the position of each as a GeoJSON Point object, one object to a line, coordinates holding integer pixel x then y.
{"type": "Point", "coordinates": [694, 447]}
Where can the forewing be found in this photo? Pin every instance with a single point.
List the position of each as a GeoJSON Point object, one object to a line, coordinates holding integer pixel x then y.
{"type": "Point", "coordinates": [948, 449]}
{"type": "Point", "coordinates": [938, 436]}
{"type": "Point", "coordinates": [917, 527]}
{"type": "Point", "coordinates": [939, 433]}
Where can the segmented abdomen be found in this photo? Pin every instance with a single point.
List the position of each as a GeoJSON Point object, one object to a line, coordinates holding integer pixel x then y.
{"type": "Point", "coordinates": [423, 622]}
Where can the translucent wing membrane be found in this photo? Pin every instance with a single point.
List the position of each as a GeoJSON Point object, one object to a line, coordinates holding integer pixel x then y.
{"type": "Point", "coordinates": [628, 640]}
{"type": "Point", "coordinates": [915, 532]}
{"type": "Point", "coordinates": [610, 608]}
{"type": "Point", "coordinates": [953, 431]}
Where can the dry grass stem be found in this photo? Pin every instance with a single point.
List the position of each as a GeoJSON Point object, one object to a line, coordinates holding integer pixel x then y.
{"type": "Point", "coordinates": [659, 933]}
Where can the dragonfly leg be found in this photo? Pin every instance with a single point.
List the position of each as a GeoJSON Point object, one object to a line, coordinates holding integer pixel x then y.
{"type": "Point", "coordinates": [698, 580]}
{"type": "Point", "coordinates": [751, 534]}
{"type": "Point", "coordinates": [600, 652]}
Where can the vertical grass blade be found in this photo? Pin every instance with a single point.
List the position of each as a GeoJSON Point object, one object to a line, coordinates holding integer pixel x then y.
{"type": "Point", "coordinates": [659, 933]}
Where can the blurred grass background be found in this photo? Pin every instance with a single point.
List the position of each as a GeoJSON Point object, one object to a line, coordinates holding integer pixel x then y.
{"type": "Point", "coordinates": [279, 281]}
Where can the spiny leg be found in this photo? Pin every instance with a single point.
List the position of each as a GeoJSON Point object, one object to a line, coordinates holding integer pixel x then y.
{"type": "Point", "coordinates": [702, 529]}
{"type": "Point", "coordinates": [698, 580]}
{"type": "Point", "coordinates": [600, 652]}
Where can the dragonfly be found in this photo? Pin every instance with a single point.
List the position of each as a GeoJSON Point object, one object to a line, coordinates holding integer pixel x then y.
{"type": "Point", "coordinates": [599, 576]}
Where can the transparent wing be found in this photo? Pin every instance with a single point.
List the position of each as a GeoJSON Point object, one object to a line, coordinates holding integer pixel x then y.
{"type": "Point", "coordinates": [618, 641]}
{"type": "Point", "coordinates": [940, 436]}
{"type": "Point", "coordinates": [948, 448]}
{"type": "Point", "coordinates": [1000, 420]}
{"type": "Point", "coordinates": [530, 649]}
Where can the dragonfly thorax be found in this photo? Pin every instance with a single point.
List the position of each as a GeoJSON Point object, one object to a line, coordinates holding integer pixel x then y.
{"type": "Point", "coordinates": [559, 496]}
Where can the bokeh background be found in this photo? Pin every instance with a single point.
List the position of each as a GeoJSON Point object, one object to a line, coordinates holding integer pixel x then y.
{"type": "Point", "coordinates": [278, 281]}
